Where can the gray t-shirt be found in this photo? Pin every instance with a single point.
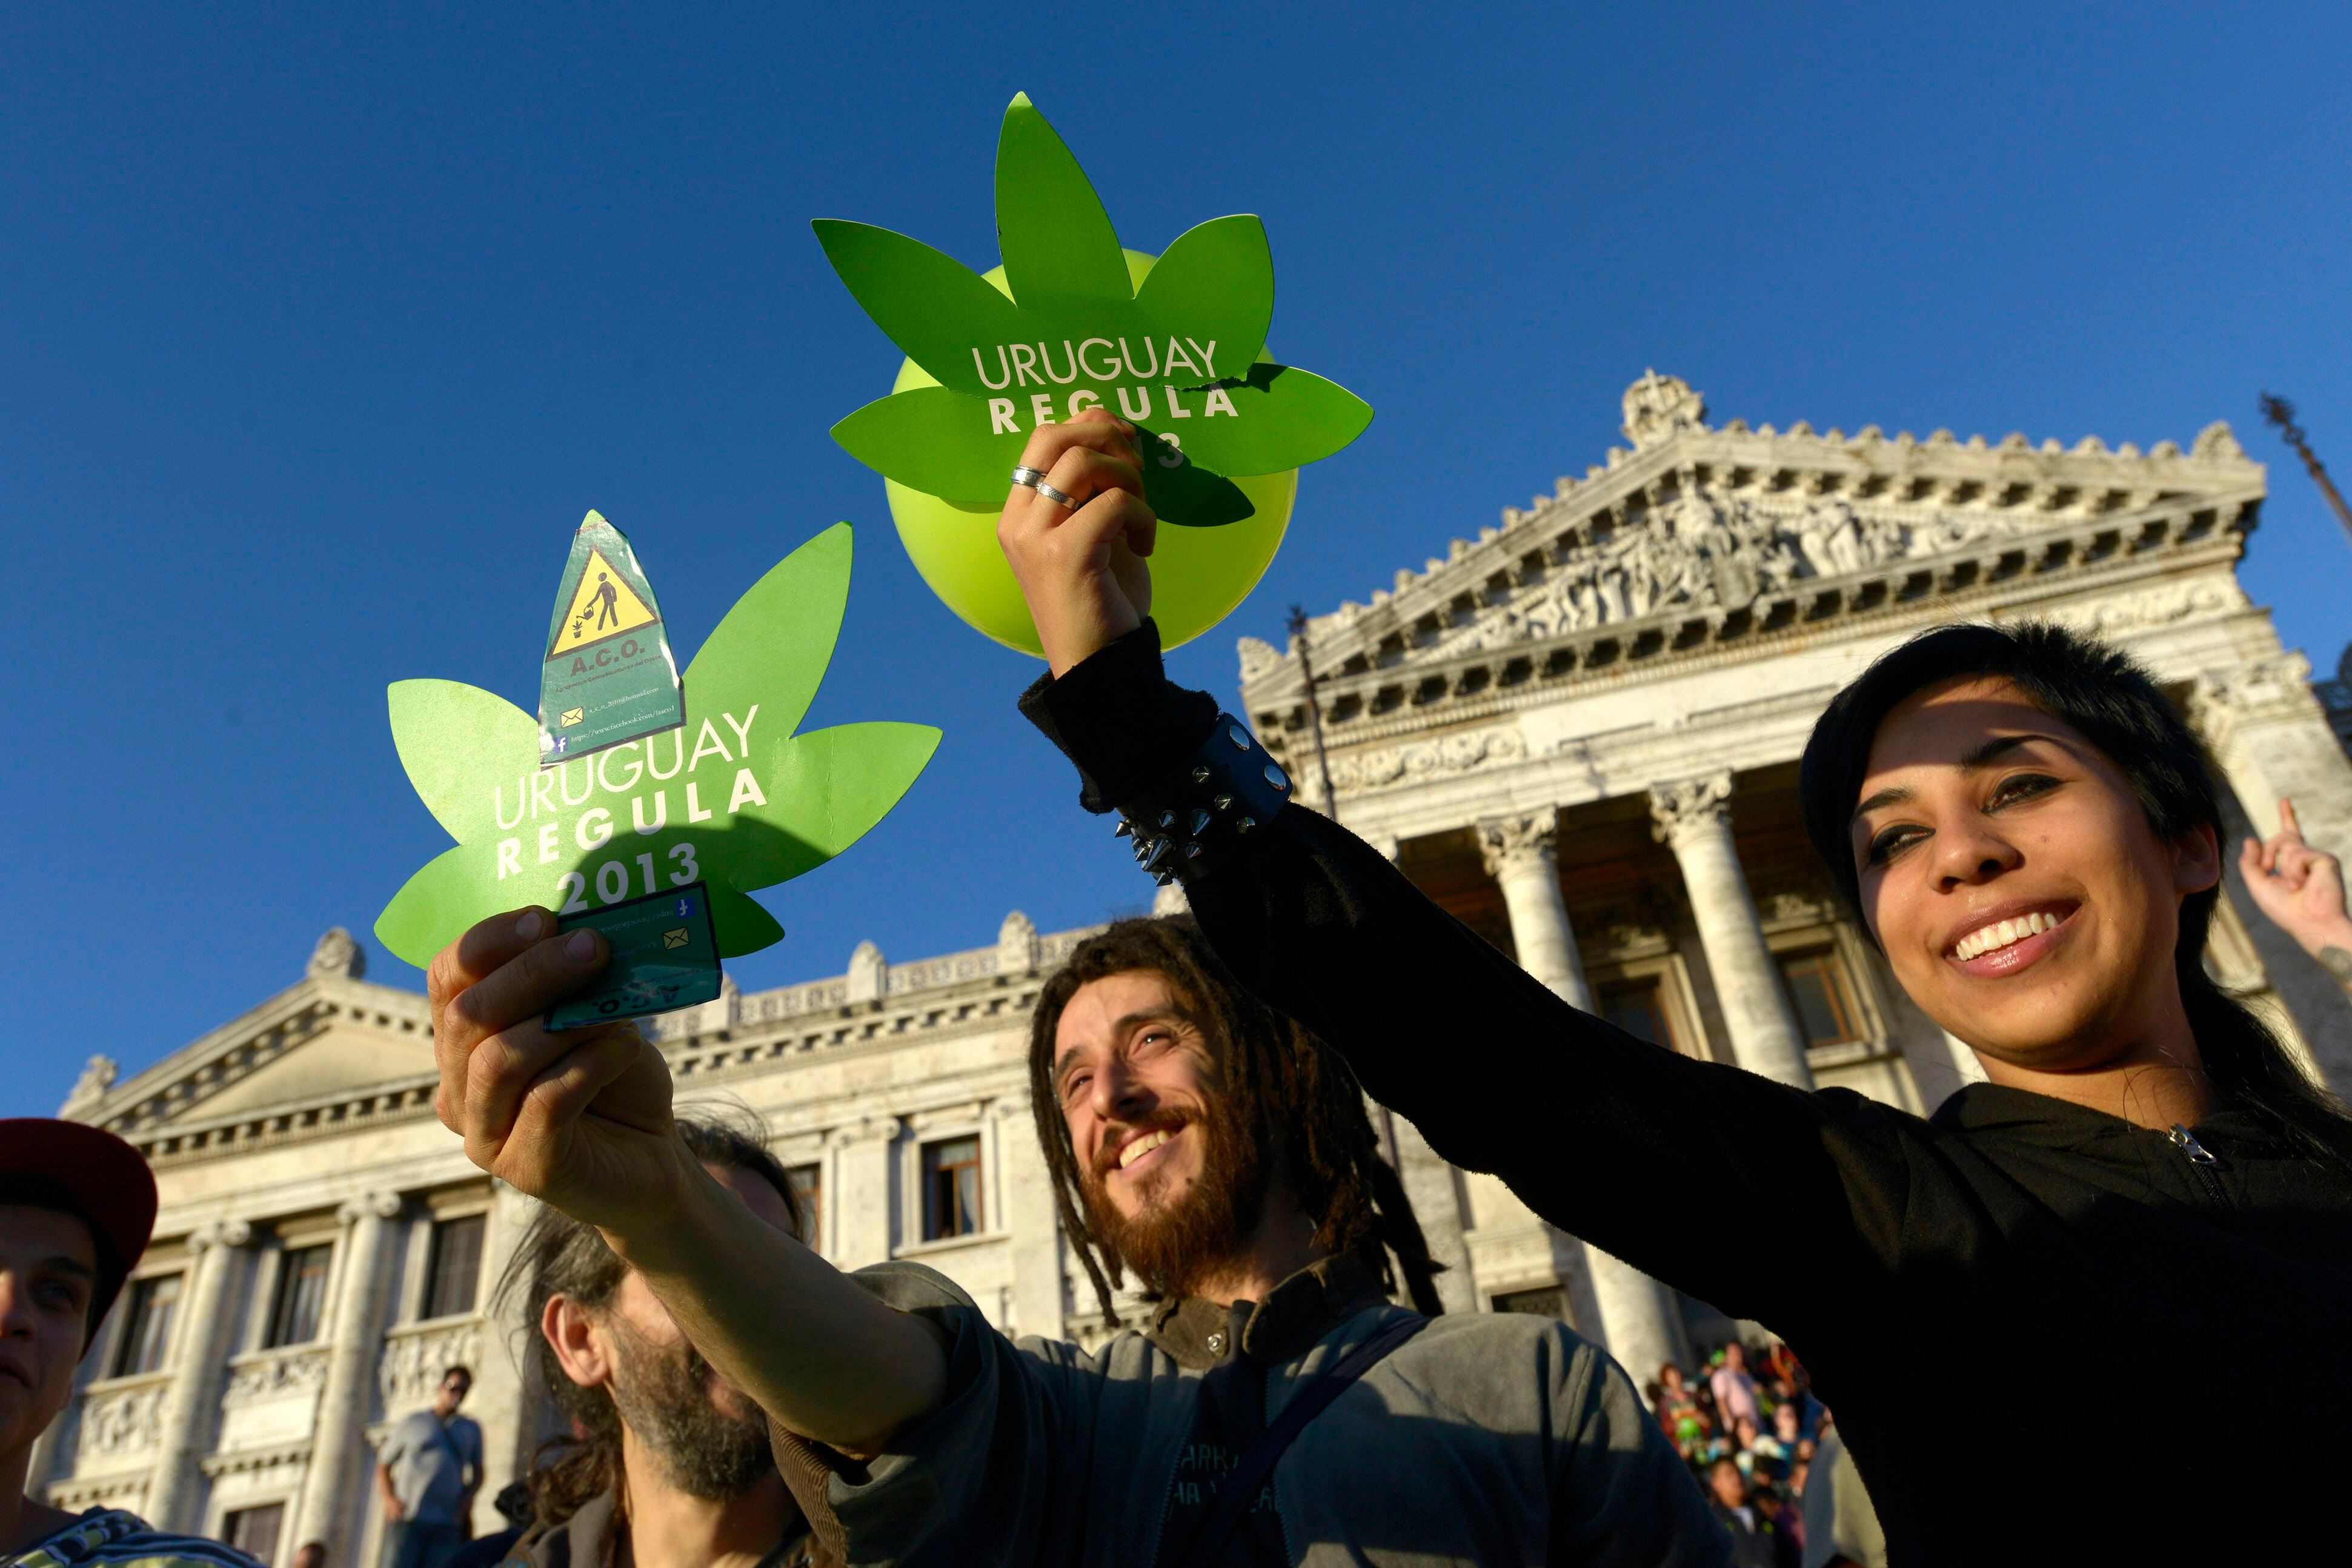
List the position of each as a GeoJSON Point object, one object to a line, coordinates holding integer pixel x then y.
{"type": "Point", "coordinates": [431, 1464]}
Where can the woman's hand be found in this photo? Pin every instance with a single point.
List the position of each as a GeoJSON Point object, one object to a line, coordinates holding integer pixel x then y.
{"type": "Point", "coordinates": [1081, 566]}
{"type": "Point", "coordinates": [579, 1118]}
{"type": "Point", "coordinates": [2301, 890]}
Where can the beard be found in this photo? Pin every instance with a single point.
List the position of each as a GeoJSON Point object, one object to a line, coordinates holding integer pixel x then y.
{"type": "Point", "coordinates": [664, 1395]}
{"type": "Point", "coordinates": [1173, 1242]}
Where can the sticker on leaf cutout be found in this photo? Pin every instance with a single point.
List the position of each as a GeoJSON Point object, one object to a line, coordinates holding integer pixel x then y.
{"type": "Point", "coordinates": [608, 677]}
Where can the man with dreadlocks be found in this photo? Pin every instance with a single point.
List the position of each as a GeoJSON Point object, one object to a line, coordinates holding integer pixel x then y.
{"type": "Point", "coordinates": [1273, 1409]}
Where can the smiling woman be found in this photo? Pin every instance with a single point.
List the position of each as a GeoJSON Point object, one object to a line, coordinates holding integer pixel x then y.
{"type": "Point", "coordinates": [2029, 832]}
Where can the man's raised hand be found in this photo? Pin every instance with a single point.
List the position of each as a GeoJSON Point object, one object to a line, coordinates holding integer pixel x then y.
{"type": "Point", "coordinates": [580, 1119]}
{"type": "Point", "coordinates": [1081, 567]}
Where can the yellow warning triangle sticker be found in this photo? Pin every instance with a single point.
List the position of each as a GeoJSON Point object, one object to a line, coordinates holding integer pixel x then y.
{"type": "Point", "coordinates": [602, 605]}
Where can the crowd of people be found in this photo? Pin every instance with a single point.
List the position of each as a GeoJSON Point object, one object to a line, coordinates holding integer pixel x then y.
{"type": "Point", "coordinates": [1752, 1435]}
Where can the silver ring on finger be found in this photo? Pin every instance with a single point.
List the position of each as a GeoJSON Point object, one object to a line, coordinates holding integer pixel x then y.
{"type": "Point", "coordinates": [1028, 479]}
{"type": "Point", "coordinates": [1056, 497]}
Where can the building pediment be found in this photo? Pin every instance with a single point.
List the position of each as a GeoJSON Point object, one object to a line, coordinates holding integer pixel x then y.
{"type": "Point", "coordinates": [328, 1037]}
{"type": "Point", "coordinates": [1698, 536]}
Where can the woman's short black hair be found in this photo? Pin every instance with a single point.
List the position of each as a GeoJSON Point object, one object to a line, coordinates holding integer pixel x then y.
{"type": "Point", "coordinates": [2118, 707]}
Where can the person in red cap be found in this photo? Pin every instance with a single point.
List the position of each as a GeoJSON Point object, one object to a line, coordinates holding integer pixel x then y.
{"type": "Point", "coordinates": [77, 1205]}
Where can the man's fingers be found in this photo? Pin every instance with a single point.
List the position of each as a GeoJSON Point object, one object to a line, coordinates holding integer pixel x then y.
{"type": "Point", "coordinates": [1084, 473]}
{"type": "Point", "coordinates": [542, 975]}
{"type": "Point", "coordinates": [558, 1094]}
{"type": "Point", "coordinates": [2287, 823]}
{"type": "Point", "coordinates": [1096, 429]}
{"type": "Point", "coordinates": [489, 946]}
{"type": "Point", "coordinates": [503, 1070]}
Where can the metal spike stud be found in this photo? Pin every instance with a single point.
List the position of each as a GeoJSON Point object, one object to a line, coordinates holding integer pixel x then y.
{"type": "Point", "coordinates": [1167, 820]}
{"type": "Point", "coordinates": [1223, 802]}
{"type": "Point", "coordinates": [1123, 829]}
{"type": "Point", "coordinates": [1239, 737]}
{"type": "Point", "coordinates": [1164, 878]}
{"type": "Point", "coordinates": [1276, 777]}
{"type": "Point", "coordinates": [1245, 823]}
{"type": "Point", "coordinates": [1199, 822]}
{"type": "Point", "coordinates": [1201, 775]}
{"type": "Point", "coordinates": [1192, 851]}
{"type": "Point", "coordinates": [1158, 853]}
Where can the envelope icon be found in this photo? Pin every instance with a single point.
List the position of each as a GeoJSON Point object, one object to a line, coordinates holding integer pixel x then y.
{"type": "Point", "coordinates": [573, 715]}
{"type": "Point", "coordinates": [675, 937]}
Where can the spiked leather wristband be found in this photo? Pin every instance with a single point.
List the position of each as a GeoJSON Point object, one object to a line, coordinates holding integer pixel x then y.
{"type": "Point", "coordinates": [1226, 789]}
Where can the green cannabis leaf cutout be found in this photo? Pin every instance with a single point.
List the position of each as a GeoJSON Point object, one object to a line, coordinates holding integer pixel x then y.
{"type": "Point", "coordinates": [1177, 355]}
{"type": "Point", "coordinates": [734, 798]}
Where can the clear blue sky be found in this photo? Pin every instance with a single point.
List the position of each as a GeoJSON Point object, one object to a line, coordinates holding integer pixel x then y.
{"type": "Point", "coordinates": [318, 331]}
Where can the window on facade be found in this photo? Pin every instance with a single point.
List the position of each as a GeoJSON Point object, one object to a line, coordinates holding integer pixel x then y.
{"type": "Point", "coordinates": [302, 1292]}
{"type": "Point", "coordinates": [1548, 1302]}
{"type": "Point", "coordinates": [457, 1270]}
{"type": "Point", "coordinates": [808, 1196]}
{"type": "Point", "coordinates": [253, 1531]}
{"type": "Point", "coordinates": [951, 1188]}
{"type": "Point", "coordinates": [1824, 1000]}
{"type": "Point", "coordinates": [1639, 1007]}
{"type": "Point", "coordinates": [147, 1325]}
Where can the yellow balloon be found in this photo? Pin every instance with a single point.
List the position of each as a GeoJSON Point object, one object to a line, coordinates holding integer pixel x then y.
{"type": "Point", "coordinates": [1198, 575]}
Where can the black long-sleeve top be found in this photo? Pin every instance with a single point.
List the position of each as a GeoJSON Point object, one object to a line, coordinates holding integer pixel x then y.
{"type": "Point", "coordinates": [2048, 1335]}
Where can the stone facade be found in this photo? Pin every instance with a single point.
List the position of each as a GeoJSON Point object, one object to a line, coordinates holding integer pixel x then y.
{"type": "Point", "coordinates": [1578, 732]}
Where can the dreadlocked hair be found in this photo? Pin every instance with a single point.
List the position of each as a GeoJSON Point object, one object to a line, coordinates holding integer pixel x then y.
{"type": "Point", "coordinates": [1331, 1157]}
{"type": "Point", "coordinates": [560, 1256]}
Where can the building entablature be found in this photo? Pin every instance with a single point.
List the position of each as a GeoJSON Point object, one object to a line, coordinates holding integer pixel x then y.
{"type": "Point", "coordinates": [248, 1089]}
{"type": "Point", "coordinates": [1707, 547]}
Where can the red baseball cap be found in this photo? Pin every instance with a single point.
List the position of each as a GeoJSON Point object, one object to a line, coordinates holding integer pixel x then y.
{"type": "Point", "coordinates": [85, 1170]}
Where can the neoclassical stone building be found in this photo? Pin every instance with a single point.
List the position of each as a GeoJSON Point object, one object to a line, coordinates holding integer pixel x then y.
{"type": "Point", "coordinates": [1578, 732]}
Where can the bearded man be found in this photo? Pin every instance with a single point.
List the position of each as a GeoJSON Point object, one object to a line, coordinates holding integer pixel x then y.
{"type": "Point", "coordinates": [667, 1463]}
{"type": "Point", "coordinates": [1273, 1407]}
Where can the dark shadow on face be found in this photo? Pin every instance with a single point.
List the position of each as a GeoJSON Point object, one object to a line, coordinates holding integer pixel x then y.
{"type": "Point", "coordinates": [1175, 1241]}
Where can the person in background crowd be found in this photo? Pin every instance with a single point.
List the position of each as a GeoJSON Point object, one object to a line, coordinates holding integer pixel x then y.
{"type": "Point", "coordinates": [1777, 1450]}
{"type": "Point", "coordinates": [427, 1471]}
{"type": "Point", "coordinates": [1743, 1445]}
{"type": "Point", "coordinates": [668, 1465]}
{"type": "Point", "coordinates": [2302, 891]}
{"type": "Point", "coordinates": [1841, 1527]}
{"type": "Point", "coordinates": [1194, 1139]}
{"type": "Point", "coordinates": [77, 1205]}
{"type": "Point", "coordinates": [1735, 1390]}
{"type": "Point", "coordinates": [1755, 1542]}
{"type": "Point", "coordinates": [2030, 833]}
{"type": "Point", "coordinates": [513, 1503]}
{"type": "Point", "coordinates": [310, 1554]}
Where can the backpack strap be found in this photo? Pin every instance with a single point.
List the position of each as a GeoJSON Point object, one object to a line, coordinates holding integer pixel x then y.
{"type": "Point", "coordinates": [1239, 1490]}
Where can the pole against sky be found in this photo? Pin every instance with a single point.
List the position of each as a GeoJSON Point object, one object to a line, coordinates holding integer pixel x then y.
{"type": "Point", "coordinates": [324, 329]}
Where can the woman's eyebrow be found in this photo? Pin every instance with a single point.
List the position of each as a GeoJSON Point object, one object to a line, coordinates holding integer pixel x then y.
{"type": "Point", "coordinates": [1990, 750]}
{"type": "Point", "coordinates": [1978, 756]}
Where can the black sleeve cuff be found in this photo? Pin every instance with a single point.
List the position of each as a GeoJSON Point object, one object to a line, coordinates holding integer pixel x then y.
{"type": "Point", "coordinates": [1119, 718]}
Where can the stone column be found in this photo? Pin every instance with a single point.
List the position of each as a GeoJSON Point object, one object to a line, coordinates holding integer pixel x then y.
{"type": "Point", "coordinates": [1693, 819]}
{"type": "Point", "coordinates": [1522, 854]}
{"type": "Point", "coordinates": [2272, 738]}
{"type": "Point", "coordinates": [355, 1334]}
{"type": "Point", "coordinates": [1024, 1210]}
{"type": "Point", "coordinates": [1639, 1322]}
{"type": "Point", "coordinates": [175, 1493]}
{"type": "Point", "coordinates": [508, 1399]}
{"type": "Point", "coordinates": [867, 1192]}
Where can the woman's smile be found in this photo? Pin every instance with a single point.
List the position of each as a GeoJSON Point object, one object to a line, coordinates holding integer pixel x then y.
{"type": "Point", "coordinates": [1999, 942]}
